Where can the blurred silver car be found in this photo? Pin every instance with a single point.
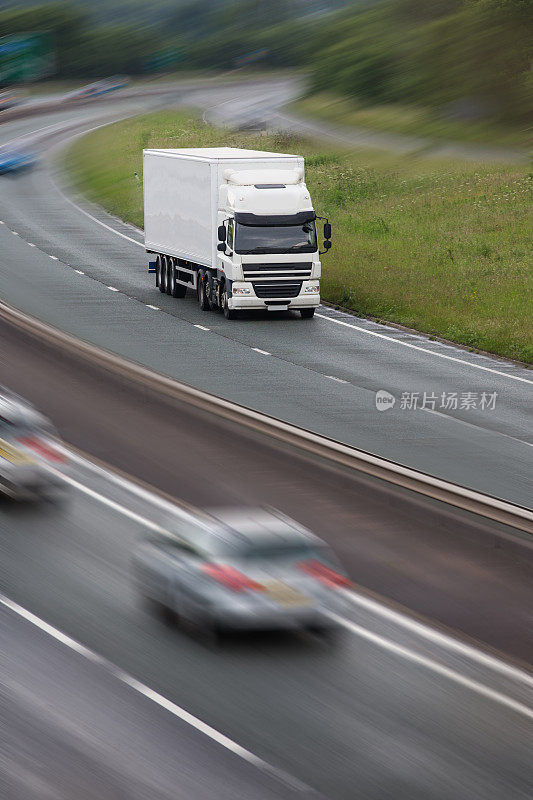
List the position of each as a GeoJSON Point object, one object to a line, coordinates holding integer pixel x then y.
{"type": "Point", "coordinates": [29, 457]}
{"type": "Point", "coordinates": [242, 569]}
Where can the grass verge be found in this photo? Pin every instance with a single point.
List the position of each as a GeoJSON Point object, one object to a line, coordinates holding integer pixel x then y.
{"type": "Point", "coordinates": [443, 247]}
{"type": "Point", "coordinates": [411, 120]}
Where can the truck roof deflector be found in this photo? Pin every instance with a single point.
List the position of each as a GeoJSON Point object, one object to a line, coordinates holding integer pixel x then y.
{"type": "Point", "coordinates": [252, 177]}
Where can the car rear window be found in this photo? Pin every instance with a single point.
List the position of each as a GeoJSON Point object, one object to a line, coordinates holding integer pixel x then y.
{"type": "Point", "coordinates": [273, 551]}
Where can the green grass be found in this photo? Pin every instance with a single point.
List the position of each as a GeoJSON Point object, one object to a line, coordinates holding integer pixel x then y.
{"type": "Point", "coordinates": [411, 120]}
{"type": "Point", "coordinates": [443, 247]}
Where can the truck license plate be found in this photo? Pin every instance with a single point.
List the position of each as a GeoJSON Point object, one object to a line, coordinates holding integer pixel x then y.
{"type": "Point", "coordinates": [278, 308]}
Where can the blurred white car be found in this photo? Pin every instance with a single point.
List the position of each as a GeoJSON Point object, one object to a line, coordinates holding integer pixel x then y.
{"type": "Point", "coordinates": [30, 461]}
{"type": "Point", "coordinates": [248, 569]}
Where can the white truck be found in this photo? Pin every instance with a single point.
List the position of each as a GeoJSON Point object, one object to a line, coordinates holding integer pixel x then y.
{"type": "Point", "coordinates": [236, 226]}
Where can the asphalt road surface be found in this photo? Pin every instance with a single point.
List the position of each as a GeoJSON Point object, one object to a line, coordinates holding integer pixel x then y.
{"type": "Point", "coordinates": [322, 374]}
{"type": "Point", "coordinates": [75, 728]}
{"type": "Point", "coordinates": [391, 710]}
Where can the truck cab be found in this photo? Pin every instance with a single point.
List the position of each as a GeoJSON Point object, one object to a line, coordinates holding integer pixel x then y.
{"type": "Point", "coordinates": [268, 247]}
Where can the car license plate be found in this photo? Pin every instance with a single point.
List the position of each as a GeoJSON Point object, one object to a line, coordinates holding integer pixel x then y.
{"type": "Point", "coordinates": [284, 595]}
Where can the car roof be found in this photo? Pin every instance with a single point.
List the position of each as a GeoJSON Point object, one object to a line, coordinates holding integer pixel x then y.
{"type": "Point", "coordinates": [254, 526]}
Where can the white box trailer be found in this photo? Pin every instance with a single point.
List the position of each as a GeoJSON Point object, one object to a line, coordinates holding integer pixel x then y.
{"type": "Point", "coordinates": [237, 226]}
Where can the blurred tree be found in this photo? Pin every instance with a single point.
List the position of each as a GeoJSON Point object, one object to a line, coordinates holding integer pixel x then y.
{"type": "Point", "coordinates": [65, 22]}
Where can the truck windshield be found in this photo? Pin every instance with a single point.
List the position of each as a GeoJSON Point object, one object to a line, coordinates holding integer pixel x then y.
{"type": "Point", "coordinates": [251, 239]}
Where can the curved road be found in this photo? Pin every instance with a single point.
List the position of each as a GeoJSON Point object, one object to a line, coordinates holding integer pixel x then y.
{"type": "Point", "coordinates": [396, 709]}
{"type": "Point", "coordinates": [321, 374]}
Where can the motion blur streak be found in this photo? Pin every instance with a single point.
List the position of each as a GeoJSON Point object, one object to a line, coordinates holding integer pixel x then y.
{"type": "Point", "coordinates": [380, 641]}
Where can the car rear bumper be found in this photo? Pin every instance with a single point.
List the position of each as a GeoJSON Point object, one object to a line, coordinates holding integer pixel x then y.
{"type": "Point", "coordinates": [281, 618]}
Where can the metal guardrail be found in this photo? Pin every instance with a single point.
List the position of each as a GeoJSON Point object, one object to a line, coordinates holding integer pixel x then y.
{"type": "Point", "coordinates": [457, 496]}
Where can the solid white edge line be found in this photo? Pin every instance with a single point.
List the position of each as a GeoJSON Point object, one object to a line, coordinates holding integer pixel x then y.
{"type": "Point", "coordinates": [434, 666]}
{"type": "Point", "coordinates": [322, 316]}
{"type": "Point", "coordinates": [477, 427]}
{"type": "Point", "coordinates": [90, 216]}
{"type": "Point", "coordinates": [422, 630]}
{"type": "Point", "coordinates": [150, 694]}
{"type": "Point", "coordinates": [422, 349]}
{"type": "Point", "coordinates": [119, 480]}
{"type": "Point", "coordinates": [439, 638]}
{"type": "Point", "coordinates": [126, 512]}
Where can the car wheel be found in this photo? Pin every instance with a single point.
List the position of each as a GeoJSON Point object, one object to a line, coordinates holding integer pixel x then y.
{"type": "Point", "coordinates": [329, 634]}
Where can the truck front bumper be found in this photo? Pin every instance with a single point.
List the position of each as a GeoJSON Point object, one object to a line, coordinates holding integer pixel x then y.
{"type": "Point", "coordinates": [305, 299]}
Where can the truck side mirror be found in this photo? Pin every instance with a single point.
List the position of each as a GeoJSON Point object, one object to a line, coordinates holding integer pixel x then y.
{"type": "Point", "coordinates": [327, 230]}
{"type": "Point", "coordinates": [221, 233]}
{"type": "Point", "coordinates": [327, 244]}
{"type": "Point", "coordinates": [221, 247]}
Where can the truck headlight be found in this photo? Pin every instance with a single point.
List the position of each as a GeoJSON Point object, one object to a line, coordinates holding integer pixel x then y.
{"type": "Point", "coordinates": [312, 289]}
{"type": "Point", "coordinates": [241, 290]}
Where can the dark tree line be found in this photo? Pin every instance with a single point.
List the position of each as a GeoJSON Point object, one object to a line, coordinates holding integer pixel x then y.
{"type": "Point", "coordinates": [464, 57]}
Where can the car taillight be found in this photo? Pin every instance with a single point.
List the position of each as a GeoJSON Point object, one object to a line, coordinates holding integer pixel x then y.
{"type": "Point", "coordinates": [231, 578]}
{"type": "Point", "coordinates": [42, 449]}
{"type": "Point", "coordinates": [324, 574]}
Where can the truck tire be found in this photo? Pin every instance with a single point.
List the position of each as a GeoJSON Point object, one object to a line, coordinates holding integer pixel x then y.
{"type": "Point", "coordinates": [158, 271]}
{"type": "Point", "coordinates": [174, 289]}
{"type": "Point", "coordinates": [203, 285]}
{"type": "Point", "coordinates": [163, 275]}
{"type": "Point", "coordinates": [229, 313]}
{"type": "Point", "coordinates": [307, 313]}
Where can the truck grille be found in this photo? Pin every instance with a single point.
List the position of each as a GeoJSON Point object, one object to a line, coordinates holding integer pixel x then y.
{"type": "Point", "coordinates": [273, 289]}
{"type": "Point", "coordinates": [299, 269]}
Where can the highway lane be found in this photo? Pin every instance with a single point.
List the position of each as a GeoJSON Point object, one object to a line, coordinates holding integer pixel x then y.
{"type": "Point", "coordinates": [73, 728]}
{"type": "Point", "coordinates": [322, 374]}
{"type": "Point", "coordinates": [423, 746]}
{"type": "Point", "coordinates": [441, 564]}
{"type": "Point", "coordinates": [391, 711]}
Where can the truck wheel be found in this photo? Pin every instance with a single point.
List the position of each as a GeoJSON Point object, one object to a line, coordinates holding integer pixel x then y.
{"type": "Point", "coordinates": [203, 298]}
{"type": "Point", "coordinates": [229, 313]}
{"type": "Point", "coordinates": [158, 271]}
{"type": "Point", "coordinates": [175, 289]}
{"type": "Point", "coordinates": [170, 270]}
{"type": "Point", "coordinates": [163, 276]}
{"type": "Point", "coordinates": [307, 313]}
